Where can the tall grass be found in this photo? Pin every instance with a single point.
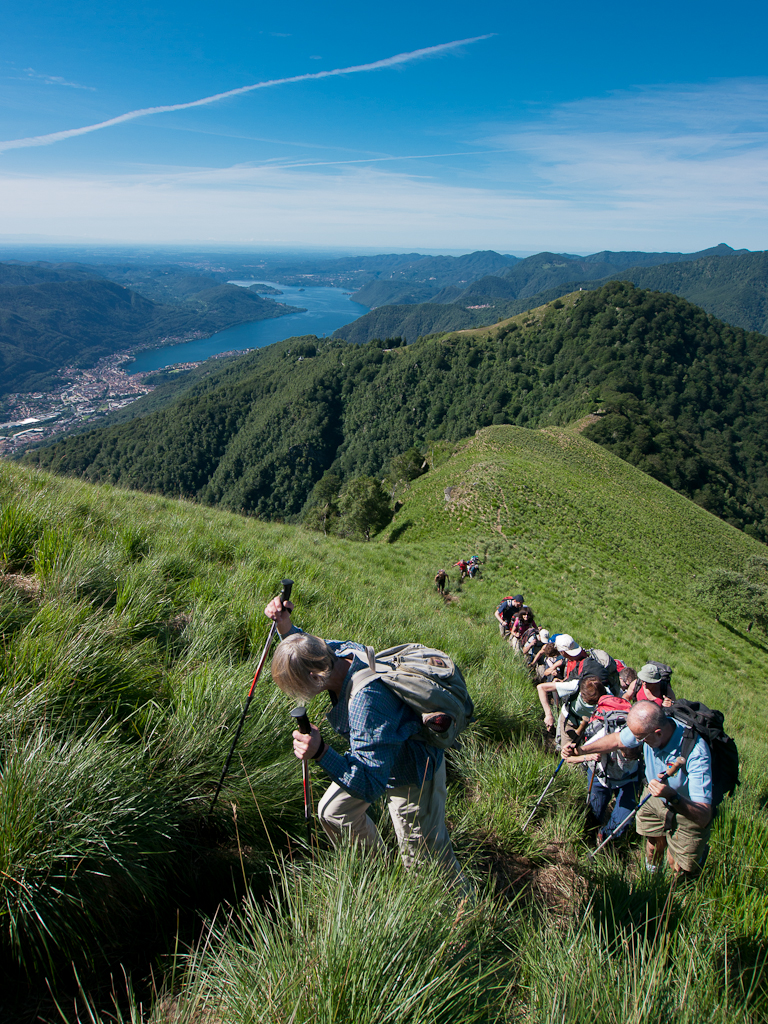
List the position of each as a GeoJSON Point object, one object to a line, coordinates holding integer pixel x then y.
{"type": "Point", "coordinates": [129, 630]}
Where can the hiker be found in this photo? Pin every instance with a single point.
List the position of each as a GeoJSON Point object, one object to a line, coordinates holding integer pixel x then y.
{"type": "Point", "coordinates": [547, 663]}
{"type": "Point", "coordinates": [654, 684]}
{"type": "Point", "coordinates": [463, 569]}
{"type": "Point", "coordinates": [628, 682]}
{"type": "Point", "coordinates": [532, 641]}
{"type": "Point", "coordinates": [562, 683]}
{"type": "Point", "coordinates": [473, 566]}
{"type": "Point", "coordinates": [506, 612]}
{"type": "Point", "coordinates": [522, 622]}
{"type": "Point", "coordinates": [612, 773]}
{"type": "Point", "coordinates": [441, 579]}
{"type": "Point", "coordinates": [385, 757]}
{"type": "Point", "coordinates": [574, 655]}
{"type": "Point", "coordinates": [678, 816]}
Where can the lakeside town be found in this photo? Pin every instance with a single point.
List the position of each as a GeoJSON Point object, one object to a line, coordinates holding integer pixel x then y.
{"type": "Point", "coordinates": [84, 396]}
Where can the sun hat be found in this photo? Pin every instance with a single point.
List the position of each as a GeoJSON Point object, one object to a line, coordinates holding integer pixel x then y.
{"type": "Point", "coordinates": [567, 645]}
{"type": "Point", "coordinates": [649, 674]}
{"type": "Point", "coordinates": [544, 636]}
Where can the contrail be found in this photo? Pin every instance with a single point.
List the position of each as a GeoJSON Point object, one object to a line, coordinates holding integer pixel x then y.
{"type": "Point", "coordinates": [387, 62]}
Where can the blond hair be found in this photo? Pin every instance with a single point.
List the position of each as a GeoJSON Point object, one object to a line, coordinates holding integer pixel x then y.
{"type": "Point", "coordinates": [295, 658]}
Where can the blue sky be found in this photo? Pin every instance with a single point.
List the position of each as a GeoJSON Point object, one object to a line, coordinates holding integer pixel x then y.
{"type": "Point", "coordinates": [560, 126]}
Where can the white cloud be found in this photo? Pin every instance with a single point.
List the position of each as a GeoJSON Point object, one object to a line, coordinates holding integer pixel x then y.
{"type": "Point", "coordinates": [367, 207]}
{"type": "Point", "coordinates": [56, 80]}
{"type": "Point", "coordinates": [680, 168]}
{"type": "Point", "coordinates": [703, 146]}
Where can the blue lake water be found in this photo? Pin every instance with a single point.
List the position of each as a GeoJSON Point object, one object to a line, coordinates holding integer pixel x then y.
{"type": "Point", "coordinates": [326, 309]}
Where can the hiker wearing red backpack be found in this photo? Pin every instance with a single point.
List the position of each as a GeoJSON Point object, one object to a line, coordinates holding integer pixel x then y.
{"type": "Point", "coordinates": [614, 773]}
{"type": "Point", "coordinates": [677, 817]}
{"type": "Point", "coordinates": [507, 612]}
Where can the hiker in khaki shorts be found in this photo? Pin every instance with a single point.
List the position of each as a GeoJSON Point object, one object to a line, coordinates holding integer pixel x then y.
{"type": "Point", "coordinates": [678, 816]}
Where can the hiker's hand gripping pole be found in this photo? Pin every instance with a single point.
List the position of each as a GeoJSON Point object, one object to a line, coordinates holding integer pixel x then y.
{"type": "Point", "coordinates": [560, 765]}
{"type": "Point", "coordinates": [303, 725]}
{"type": "Point", "coordinates": [669, 771]}
{"type": "Point", "coordinates": [285, 595]}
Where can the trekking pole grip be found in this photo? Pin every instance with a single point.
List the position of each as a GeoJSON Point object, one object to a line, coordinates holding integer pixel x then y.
{"type": "Point", "coordinates": [302, 721]}
{"type": "Point", "coordinates": [285, 594]}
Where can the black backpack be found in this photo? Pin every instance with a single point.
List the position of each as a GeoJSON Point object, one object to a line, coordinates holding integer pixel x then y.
{"type": "Point", "coordinates": [699, 720]}
{"type": "Point", "coordinates": [665, 671]}
{"type": "Point", "coordinates": [604, 667]}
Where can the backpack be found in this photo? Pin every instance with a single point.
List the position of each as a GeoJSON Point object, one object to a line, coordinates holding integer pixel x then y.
{"type": "Point", "coordinates": [429, 682]}
{"type": "Point", "coordinates": [604, 667]}
{"type": "Point", "coordinates": [614, 768]}
{"type": "Point", "coordinates": [665, 672]}
{"type": "Point", "coordinates": [699, 720]}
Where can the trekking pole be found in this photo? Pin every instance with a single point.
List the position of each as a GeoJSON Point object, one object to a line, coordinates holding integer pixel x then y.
{"type": "Point", "coordinates": [670, 770]}
{"type": "Point", "coordinates": [302, 721]}
{"type": "Point", "coordinates": [285, 595]}
{"type": "Point", "coordinates": [560, 765]}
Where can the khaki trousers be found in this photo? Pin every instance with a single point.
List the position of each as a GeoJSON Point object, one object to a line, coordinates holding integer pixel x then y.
{"type": "Point", "coordinates": [417, 812]}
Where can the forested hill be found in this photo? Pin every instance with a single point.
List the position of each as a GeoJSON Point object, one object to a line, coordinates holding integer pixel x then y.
{"type": "Point", "coordinates": [674, 391]}
{"type": "Point", "coordinates": [47, 325]}
{"type": "Point", "coordinates": [733, 286]}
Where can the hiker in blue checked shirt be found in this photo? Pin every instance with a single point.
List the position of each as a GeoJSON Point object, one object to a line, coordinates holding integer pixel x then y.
{"type": "Point", "coordinates": [384, 757]}
{"type": "Point", "coordinates": [678, 817]}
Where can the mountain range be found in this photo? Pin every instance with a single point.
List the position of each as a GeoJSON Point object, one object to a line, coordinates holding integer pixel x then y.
{"type": "Point", "coordinates": [733, 285]}
{"type": "Point", "coordinates": [662, 383]}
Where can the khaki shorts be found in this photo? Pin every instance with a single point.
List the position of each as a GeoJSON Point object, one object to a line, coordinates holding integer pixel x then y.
{"type": "Point", "coordinates": [687, 842]}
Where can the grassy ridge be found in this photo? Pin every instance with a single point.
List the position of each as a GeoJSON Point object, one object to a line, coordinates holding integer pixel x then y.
{"type": "Point", "coordinates": [130, 625]}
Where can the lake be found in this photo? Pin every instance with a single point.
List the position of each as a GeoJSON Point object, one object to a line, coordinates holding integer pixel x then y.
{"type": "Point", "coordinates": [326, 309]}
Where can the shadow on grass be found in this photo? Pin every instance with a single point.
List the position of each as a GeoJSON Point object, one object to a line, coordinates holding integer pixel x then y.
{"type": "Point", "coordinates": [746, 637]}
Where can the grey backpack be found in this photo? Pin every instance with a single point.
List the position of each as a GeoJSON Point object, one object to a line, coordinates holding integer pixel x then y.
{"type": "Point", "coordinates": [429, 682]}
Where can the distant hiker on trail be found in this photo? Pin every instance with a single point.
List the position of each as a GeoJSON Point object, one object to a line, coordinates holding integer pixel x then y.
{"type": "Point", "coordinates": [386, 756]}
{"type": "Point", "coordinates": [506, 612]}
{"type": "Point", "coordinates": [653, 683]}
{"type": "Point", "coordinates": [463, 569]}
{"type": "Point", "coordinates": [441, 578]}
{"type": "Point", "coordinates": [678, 816]}
{"type": "Point", "coordinates": [473, 566]}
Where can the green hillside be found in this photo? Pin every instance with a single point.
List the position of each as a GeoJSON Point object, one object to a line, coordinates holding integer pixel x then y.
{"type": "Point", "coordinates": [733, 288]}
{"type": "Point", "coordinates": [679, 394]}
{"type": "Point", "coordinates": [130, 626]}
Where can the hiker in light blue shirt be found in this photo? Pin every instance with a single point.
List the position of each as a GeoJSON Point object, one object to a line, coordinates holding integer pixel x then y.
{"type": "Point", "coordinates": [678, 816]}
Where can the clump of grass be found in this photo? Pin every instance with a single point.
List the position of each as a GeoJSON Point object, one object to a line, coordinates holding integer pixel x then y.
{"type": "Point", "coordinates": [20, 528]}
{"type": "Point", "coordinates": [78, 838]}
{"type": "Point", "coordinates": [348, 939]}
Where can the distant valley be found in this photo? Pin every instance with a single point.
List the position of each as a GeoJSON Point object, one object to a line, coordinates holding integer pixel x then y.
{"type": "Point", "coordinates": [55, 315]}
